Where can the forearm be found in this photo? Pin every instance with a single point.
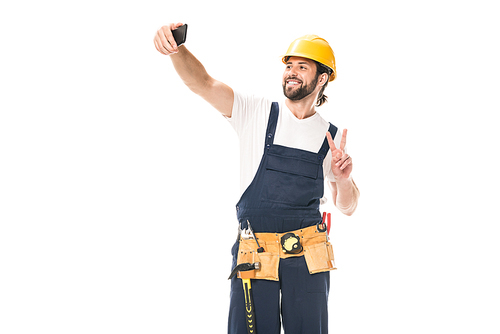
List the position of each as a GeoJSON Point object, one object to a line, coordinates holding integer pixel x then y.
{"type": "Point", "coordinates": [194, 75]}
{"type": "Point", "coordinates": [346, 197]}
{"type": "Point", "coordinates": [190, 70]}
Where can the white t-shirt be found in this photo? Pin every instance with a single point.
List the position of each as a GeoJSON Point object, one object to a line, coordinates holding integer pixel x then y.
{"type": "Point", "coordinates": [249, 118]}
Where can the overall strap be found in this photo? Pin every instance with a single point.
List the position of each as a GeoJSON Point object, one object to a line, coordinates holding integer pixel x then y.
{"type": "Point", "coordinates": [325, 148]}
{"type": "Point", "coordinates": [271, 124]}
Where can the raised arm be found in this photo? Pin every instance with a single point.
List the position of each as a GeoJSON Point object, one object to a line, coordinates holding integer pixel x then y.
{"type": "Point", "coordinates": [193, 73]}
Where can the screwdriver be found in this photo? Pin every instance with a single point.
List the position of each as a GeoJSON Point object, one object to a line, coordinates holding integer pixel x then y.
{"type": "Point", "coordinates": [259, 249]}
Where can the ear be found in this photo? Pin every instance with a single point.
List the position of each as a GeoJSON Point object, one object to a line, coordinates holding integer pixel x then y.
{"type": "Point", "coordinates": [323, 79]}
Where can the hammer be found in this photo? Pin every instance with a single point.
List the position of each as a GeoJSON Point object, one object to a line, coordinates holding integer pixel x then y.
{"type": "Point", "coordinates": [245, 270]}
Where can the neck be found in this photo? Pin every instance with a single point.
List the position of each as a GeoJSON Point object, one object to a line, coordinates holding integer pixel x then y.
{"type": "Point", "coordinates": [302, 109]}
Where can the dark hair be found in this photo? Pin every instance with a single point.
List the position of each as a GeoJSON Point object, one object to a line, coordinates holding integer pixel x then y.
{"type": "Point", "coordinates": [320, 69]}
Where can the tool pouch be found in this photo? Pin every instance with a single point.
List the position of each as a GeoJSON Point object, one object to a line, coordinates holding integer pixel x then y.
{"type": "Point", "coordinates": [319, 257]}
{"type": "Point", "coordinates": [269, 261]}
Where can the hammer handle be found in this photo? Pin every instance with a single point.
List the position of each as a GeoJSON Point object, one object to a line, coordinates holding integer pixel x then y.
{"type": "Point", "coordinates": [249, 307]}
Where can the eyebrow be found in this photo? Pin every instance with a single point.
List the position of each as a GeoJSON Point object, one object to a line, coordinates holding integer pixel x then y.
{"type": "Point", "coordinates": [300, 62]}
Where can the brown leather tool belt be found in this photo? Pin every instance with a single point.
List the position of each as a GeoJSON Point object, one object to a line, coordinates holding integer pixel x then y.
{"type": "Point", "coordinates": [307, 242]}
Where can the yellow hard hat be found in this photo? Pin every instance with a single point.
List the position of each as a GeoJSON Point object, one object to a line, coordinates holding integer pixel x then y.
{"type": "Point", "coordinates": [315, 48]}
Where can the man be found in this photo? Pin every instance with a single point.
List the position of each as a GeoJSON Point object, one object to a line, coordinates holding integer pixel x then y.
{"type": "Point", "coordinates": [285, 156]}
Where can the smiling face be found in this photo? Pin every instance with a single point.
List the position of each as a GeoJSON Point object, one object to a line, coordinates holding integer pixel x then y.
{"type": "Point", "coordinates": [299, 79]}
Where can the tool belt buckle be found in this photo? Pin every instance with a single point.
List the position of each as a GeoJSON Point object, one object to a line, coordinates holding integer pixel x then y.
{"type": "Point", "coordinates": [290, 243]}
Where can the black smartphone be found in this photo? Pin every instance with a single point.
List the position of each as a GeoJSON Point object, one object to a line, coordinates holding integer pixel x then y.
{"type": "Point", "coordinates": [180, 34]}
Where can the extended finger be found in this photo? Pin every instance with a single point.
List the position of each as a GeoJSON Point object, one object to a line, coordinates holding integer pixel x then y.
{"type": "Point", "coordinates": [343, 140]}
{"type": "Point", "coordinates": [330, 141]}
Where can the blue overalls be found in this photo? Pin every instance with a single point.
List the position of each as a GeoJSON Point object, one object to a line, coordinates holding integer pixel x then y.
{"type": "Point", "coordinates": [283, 196]}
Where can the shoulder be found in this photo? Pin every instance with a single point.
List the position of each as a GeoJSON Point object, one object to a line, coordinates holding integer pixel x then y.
{"type": "Point", "coordinates": [249, 111]}
{"type": "Point", "coordinates": [247, 102]}
{"type": "Point", "coordinates": [333, 129]}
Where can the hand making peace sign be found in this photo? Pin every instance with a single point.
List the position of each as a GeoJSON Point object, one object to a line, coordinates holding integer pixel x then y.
{"type": "Point", "coordinates": [341, 161]}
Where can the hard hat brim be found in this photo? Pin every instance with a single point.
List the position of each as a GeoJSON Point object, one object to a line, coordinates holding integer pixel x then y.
{"type": "Point", "coordinates": [285, 58]}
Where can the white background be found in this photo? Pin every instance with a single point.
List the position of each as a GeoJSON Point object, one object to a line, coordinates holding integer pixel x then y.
{"type": "Point", "coordinates": [118, 185]}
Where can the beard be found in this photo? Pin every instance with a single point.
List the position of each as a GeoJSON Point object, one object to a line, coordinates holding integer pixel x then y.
{"type": "Point", "coordinates": [301, 92]}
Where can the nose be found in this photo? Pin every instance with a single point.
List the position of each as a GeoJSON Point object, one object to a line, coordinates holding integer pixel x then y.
{"type": "Point", "coordinates": [290, 72]}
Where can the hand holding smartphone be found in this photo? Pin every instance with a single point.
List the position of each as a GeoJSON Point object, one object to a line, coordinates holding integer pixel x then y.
{"type": "Point", "coordinates": [168, 36]}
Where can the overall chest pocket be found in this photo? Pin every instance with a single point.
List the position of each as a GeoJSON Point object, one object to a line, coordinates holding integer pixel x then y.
{"type": "Point", "coordinates": [290, 180]}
